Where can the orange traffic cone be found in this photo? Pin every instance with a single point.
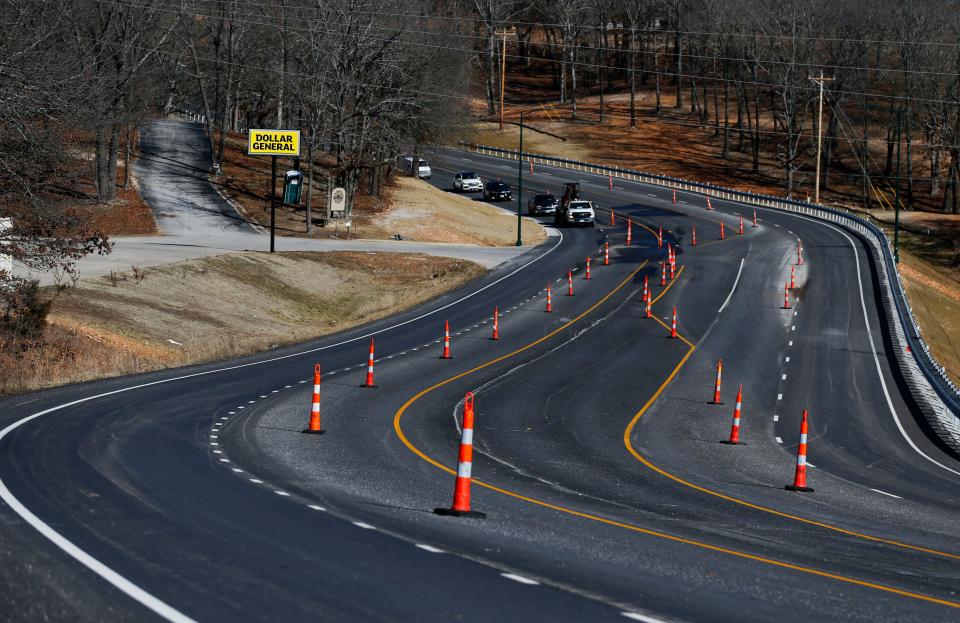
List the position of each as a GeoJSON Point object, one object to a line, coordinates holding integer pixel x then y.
{"type": "Point", "coordinates": [716, 387]}
{"type": "Point", "coordinates": [369, 382]}
{"type": "Point", "coordinates": [735, 428]}
{"type": "Point", "coordinates": [649, 309]}
{"type": "Point", "coordinates": [663, 274]}
{"type": "Point", "coordinates": [461, 491]}
{"type": "Point", "coordinates": [800, 477]}
{"type": "Point", "coordinates": [673, 325]}
{"type": "Point", "coordinates": [786, 300]}
{"type": "Point", "coordinates": [754, 218]}
{"type": "Point", "coordinates": [314, 426]}
{"type": "Point", "coordinates": [646, 290]}
{"type": "Point", "coordinates": [446, 340]}
{"type": "Point", "coordinates": [709, 205]}
{"type": "Point", "coordinates": [793, 276]}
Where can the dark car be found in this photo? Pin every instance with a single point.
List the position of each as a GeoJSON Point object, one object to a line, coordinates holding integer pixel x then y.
{"type": "Point", "coordinates": [542, 204]}
{"type": "Point", "coordinates": [497, 191]}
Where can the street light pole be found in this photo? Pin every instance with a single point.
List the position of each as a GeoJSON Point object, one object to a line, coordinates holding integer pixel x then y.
{"type": "Point", "coordinates": [896, 200]}
{"type": "Point", "coordinates": [520, 184]}
{"type": "Point", "coordinates": [273, 202]}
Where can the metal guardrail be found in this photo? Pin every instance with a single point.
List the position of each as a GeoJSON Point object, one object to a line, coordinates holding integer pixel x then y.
{"type": "Point", "coordinates": [934, 393]}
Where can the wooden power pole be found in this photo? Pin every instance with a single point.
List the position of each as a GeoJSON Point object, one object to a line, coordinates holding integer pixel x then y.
{"type": "Point", "coordinates": [503, 72]}
{"type": "Point", "coordinates": [819, 80]}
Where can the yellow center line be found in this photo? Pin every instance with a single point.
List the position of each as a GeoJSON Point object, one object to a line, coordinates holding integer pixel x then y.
{"type": "Point", "coordinates": [627, 526]}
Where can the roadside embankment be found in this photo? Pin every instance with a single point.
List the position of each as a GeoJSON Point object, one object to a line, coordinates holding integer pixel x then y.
{"type": "Point", "coordinates": [217, 307]}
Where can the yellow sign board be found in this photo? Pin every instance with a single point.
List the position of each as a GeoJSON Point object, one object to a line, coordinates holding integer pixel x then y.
{"type": "Point", "coordinates": [274, 143]}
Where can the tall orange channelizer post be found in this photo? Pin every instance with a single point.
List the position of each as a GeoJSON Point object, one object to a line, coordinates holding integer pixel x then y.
{"type": "Point", "coordinates": [549, 299]}
{"type": "Point", "coordinates": [674, 195]}
{"type": "Point", "coordinates": [587, 276]}
{"type": "Point", "coordinates": [694, 229]}
{"type": "Point", "coordinates": [461, 491]}
{"type": "Point", "coordinates": [446, 340]}
{"type": "Point", "coordinates": [606, 253]}
{"type": "Point", "coordinates": [613, 218]}
{"type": "Point", "coordinates": [786, 295]}
{"type": "Point", "coordinates": [709, 205]}
{"type": "Point", "coordinates": [673, 324]}
{"type": "Point", "coordinates": [722, 234]}
{"type": "Point", "coordinates": [741, 225]}
{"type": "Point", "coordinates": [611, 181]}
{"type": "Point", "coordinates": [793, 277]}
{"type": "Point", "coordinates": [663, 274]}
{"type": "Point", "coordinates": [496, 323]}
{"type": "Point", "coordinates": [646, 290]}
{"type": "Point", "coordinates": [735, 427]}
{"type": "Point", "coordinates": [569, 283]}
{"type": "Point", "coordinates": [629, 230]}
{"type": "Point", "coordinates": [799, 253]}
{"type": "Point", "coordinates": [754, 218]}
{"type": "Point", "coordinates": [716, 387]}
{"type": "Point", "coordinates": [649, 308]}
{"type": "Point", "coordinates": [800, 477]}
{"type": "Point", "coordinates": [314, 426]}
{"type": "Point", "coordinates": [660, 237]}
{"type": "Point", "coordinates": [369, 382]}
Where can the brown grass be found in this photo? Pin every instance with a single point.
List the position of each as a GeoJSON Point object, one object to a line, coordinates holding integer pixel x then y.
{"type": "Point", "coordinates": [218, 307]}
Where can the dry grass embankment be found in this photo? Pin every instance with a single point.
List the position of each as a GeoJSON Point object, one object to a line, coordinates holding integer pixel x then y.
{"type": "Point", "coordinates": [423, 212]}
{"type": "Point", "coordinates": [217, 307]}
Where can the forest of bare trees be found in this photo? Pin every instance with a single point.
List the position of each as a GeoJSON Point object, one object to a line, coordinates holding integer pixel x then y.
{"type": "Point", "coordinates": [745, 67]}
{"type": "Point", "coordinates": [367, 79]}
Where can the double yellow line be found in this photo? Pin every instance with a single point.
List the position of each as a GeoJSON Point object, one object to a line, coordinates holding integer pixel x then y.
{"type": "Point", "coordinates": [626, 437]}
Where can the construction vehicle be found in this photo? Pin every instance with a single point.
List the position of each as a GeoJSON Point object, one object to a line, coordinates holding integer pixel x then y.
{"type": "Point", "coordinates": [573, 210]}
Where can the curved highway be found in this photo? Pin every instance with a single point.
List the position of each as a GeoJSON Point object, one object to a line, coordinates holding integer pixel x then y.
{"type": "Point", "coordinates": [192, 495]}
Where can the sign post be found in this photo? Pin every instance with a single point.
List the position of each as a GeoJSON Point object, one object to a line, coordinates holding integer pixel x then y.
{"type": "Point", "coordinates": [273, 143]}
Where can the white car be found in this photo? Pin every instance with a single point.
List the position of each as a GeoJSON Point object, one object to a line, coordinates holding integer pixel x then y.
{"type": "Point", "coordinates": [467, 181]}
{"type": "Point", "coordinates": [423, 167]}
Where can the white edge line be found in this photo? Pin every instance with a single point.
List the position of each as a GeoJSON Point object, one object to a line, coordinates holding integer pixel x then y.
{"type": "Point", "coordinates": [735, 282]}
{"type": "Point", "coordinates": [430, 548]}
{"type": "Point", "coordinates": [885, 493]}
{"type": "Point", "coordinates": [118, 581]}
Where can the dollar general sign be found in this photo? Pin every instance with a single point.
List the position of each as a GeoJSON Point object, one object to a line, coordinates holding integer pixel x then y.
{"type": "Point", "coordinates": [274, 143]}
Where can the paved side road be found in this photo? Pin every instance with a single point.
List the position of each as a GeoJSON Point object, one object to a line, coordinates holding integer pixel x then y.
{"type": "Point", "coordinates": [172, 171]}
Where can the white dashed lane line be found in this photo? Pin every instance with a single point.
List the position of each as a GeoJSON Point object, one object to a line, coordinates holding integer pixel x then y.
{"type": "Point", "coordinates": [283, 493]}
{"type": "Point", "coordinates": [779, 440]}
{"type": "Point", "coordinates": [776, 418]}
{"type": "Point", "coordinates": [430, 548]}
{"type": "Point", "coordinates": [365, 526]}
{"type": "Point", "coordinates": [779, 396]}
{"type": "Point", "coordinates": [255, 481]}
{"type": "Point", "coordinates": [783, 377]}
{"type": "Point", "coordinates": [641, 617]}
{"type": "Point", "coordinates": [520, 579]}
{"type": "Point", "coordinates": [316, 508]}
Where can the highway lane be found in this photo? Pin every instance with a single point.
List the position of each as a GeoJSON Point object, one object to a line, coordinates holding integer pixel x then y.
{"type": "Point", "coordinates": [593, 384]}
{"type": "Point", "coordinates": [96, 473]}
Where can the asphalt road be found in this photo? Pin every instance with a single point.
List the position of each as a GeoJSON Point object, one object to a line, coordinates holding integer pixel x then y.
{"type": "Point", "coordinates": [598, 459]}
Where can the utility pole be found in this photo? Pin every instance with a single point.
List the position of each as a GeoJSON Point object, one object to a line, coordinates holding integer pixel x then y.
{"type": "Point", "coordinates": [896, 199]}
{"type": "Point", "coordinates": [503, 72]}
{"type": "Point", "coordinates": [520, 184]}
{"type": "Point", "coordinates": [819, 80]}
